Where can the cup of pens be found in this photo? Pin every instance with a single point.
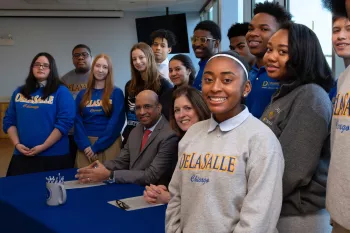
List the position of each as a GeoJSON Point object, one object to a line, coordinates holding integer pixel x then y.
{"type": "Point", "coordinates": [55, 191]}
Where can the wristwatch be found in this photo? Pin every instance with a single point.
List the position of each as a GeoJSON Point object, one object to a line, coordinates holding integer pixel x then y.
{"type": "Point", "coordinates": [111, 177]}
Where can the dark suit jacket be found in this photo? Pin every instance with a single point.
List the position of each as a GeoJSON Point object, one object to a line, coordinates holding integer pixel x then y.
{"type": "Point", "coordinates": [154, 164]}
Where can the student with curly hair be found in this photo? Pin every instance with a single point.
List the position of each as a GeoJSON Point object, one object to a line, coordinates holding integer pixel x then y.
{"type": "Point", "coordinates": [205, 43]}
{"type": "Point", "coordinates": [162, 43]}
{"type": "Point", "coordinates": [236, 35]}
{"type": "Point", "coordinates": [268, 18]}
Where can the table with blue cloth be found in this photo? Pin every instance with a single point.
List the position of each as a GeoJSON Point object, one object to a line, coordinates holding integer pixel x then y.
{"type": "Point", "coordinates": [23, 208]}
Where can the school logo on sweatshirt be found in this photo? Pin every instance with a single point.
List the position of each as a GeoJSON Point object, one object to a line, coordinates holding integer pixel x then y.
{"type": "Point", "coordinates": [34, 99]}
{"type": "Point", "coordinates": [341, 106]}
{"type": "Point", "coordinates": [271, 116]}
{"type": "Point", "coordinates": [270, 85]}
{"type": "Point", "coordinates": [209, 161]}
{"type": "Point", "coordinates": [95, 103]}
{"type": "Point", "coordinates": [76, 87]}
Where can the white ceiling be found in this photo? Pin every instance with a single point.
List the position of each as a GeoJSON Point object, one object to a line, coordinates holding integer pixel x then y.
{"type": "Point", "coordinates": [125, 5]}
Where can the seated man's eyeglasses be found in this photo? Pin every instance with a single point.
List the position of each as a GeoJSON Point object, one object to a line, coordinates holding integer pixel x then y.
{"type": "Point", "coordinates": [84, 54]}
{"type": "Point", "coordinates": [145, 107]}
{"type": "Point", "coordinates": [44, 65]}
{"type": "Point", "coordinates": [202, 39]}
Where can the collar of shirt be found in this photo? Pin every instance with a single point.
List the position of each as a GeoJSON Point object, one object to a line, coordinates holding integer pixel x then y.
{"type": "Point", "coordinates": [154, 126]}
{"type": "Point", "coordinates": [229, 124]}
{"type": "Point", "coordinates": [42, 83]}
{"type": "Point", "coordinates": [164, 63]}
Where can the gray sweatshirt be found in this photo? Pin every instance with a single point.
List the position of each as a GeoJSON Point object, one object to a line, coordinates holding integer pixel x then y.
{"type": "Point", "coordinates": [300, 117]}
{"type": "Point", "coordinates": [75, 81]}
{"type": "Point", "coordinates": [228, 178]}
{"type": "Point", "coordinates": [338, 186]}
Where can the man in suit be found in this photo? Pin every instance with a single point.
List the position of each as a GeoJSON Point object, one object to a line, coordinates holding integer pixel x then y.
{"type": "Point", "coordinates": [148, 156]}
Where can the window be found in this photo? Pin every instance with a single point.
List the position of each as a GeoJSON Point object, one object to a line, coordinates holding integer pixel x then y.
{"type": "Point", "coordinates": [317, 19]}
{"type": "Point", "coordinates": [210, 12]}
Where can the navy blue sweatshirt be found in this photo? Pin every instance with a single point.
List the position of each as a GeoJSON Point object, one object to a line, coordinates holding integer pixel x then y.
{"type": "Point", "coordinates": [35, 119]}
{"type": "Point", "coordinates": [93, 121]}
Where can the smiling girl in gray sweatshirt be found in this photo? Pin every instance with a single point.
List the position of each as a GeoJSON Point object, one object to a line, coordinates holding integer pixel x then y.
{"type": "Point", "coordinates": [229, 172]}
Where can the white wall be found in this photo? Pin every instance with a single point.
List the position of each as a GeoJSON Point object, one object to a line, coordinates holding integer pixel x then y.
{"type": "Point", "coordinates": [58, 36]}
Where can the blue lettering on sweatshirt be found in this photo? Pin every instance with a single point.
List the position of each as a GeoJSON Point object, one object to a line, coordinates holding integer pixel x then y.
{"type": "Point", "coordinates": [341, 127]}
{"type": "Point", "coordinates": [194, 161]}
{"type": "Point", "coordinates": [197, 179]}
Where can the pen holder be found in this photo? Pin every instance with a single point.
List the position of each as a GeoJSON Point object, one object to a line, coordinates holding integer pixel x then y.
{"type": "Point", "coordinates": [56, 194]}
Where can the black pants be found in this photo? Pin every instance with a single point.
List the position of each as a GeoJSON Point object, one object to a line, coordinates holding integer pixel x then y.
{"type": "Point", "coordinates": [72, 149]}
{"type": "Point", "coordinates": [21, 164]}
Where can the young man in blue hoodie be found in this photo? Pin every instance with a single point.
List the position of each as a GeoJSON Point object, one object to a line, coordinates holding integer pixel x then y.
{"type": "Point", "coordinates": [268, 18]}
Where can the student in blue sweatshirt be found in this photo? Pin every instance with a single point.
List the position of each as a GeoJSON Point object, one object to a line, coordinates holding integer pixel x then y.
{"type": "Point", "coordinates": [300, 116]}
{"type": "Point", "coordinates": [268, 18]}
{"type": "Point", "coordinates": [38, 119]}
{"type": "Point", "coordinates": [100, 115]}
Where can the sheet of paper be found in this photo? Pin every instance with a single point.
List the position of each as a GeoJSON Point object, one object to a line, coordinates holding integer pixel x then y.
{"type": "Point", "coordinates": [135, 203]}
{"type": "Point", "coordinates": [74, 184]}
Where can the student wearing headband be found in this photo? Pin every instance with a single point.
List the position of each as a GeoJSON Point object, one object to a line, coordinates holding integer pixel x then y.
{"type": "Point", "coordinates": [300, 115]}
{"type": "Point", "coordinates": [229, 172]}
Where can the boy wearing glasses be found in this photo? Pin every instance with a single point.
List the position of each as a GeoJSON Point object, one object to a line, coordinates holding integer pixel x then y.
{"type": "Point", "coordinates": [162, 43]}
{"type": "Point", "coordinates": [76, 80]}
{"type": "Point", "coordinates": [268, 18]}
{"type": "Point", "coordinates": [338, 183]}
{"type": "Point", "coordinates": [205, 43]}
{"type": "Point", "coordinates": [236, 35]}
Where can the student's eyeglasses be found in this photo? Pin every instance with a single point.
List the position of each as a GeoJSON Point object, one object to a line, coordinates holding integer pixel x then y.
{"type": "Point", "coordinates": [44, 65]}
{"type": "Point", "coordinates": [84, 54]}
{"type": "Point", "coordinates": [201, 39]}
{"type": "Point", "coordinates": [122, 205]}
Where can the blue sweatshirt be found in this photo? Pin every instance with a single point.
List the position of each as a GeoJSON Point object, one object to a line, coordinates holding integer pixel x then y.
{"type": "Point", "coordinates": [35, 119]}
{"type": "Point", "coordinates": [197, 83]}
{"type": "Point", "coordinates": [92, 120]}
{"type": "Point", "coordinates": [263, 87]}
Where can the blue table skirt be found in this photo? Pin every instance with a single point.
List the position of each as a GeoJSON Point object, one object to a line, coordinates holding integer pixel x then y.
{"type": "Point", "coordinates": [23, 208]}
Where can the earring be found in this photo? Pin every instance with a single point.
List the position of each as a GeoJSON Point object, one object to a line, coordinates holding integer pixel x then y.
{"type": "Point", "coordinates": [244, 95]}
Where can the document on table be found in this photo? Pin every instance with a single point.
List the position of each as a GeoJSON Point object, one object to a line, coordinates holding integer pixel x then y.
{"type": "Point", "coordinates": [74, 184]}
{"type": "Point", "coordinates": [134, 203]}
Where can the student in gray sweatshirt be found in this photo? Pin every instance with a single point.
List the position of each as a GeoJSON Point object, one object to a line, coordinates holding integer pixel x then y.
{"type": "Point", "coordinates": [300, 114]}
{"type": "Point", "coordinates": [76, 80]}
{"type": "Point", "coordinates": [229, 172]}
{"type": "Point", "coordinates": [338, 185]}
